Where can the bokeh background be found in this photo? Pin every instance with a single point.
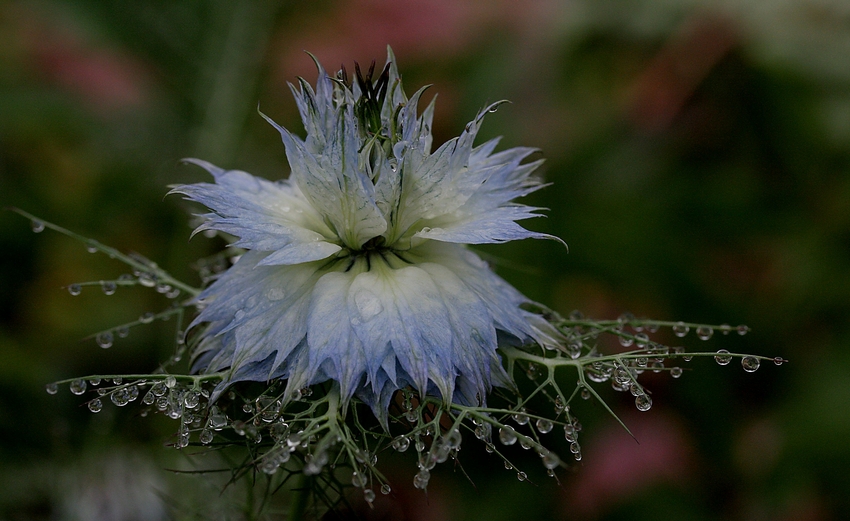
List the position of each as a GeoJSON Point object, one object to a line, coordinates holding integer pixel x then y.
{"type": "Point", "coordinates": [699, 154]}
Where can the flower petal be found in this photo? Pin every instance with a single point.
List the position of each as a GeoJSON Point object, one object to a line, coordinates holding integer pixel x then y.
{"type": "Point", "coordinates": [266, 216]}
{"type": "Point", "coordinates": [333, 183]}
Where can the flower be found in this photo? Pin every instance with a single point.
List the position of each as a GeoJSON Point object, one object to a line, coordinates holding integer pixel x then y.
{"type": "Point", "coordinates": [356, 268]}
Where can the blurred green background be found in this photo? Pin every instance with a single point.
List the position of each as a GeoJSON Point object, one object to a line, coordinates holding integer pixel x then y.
{"type": "Point", "coordinates": [699, 154]}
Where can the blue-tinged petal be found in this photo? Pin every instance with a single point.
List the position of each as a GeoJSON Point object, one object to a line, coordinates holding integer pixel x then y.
{"type": "Point", "coordinates": [333, 184]}
{"type": "Point", "coordinates": [330, 336]}
{"type": "Point", "coordinates": [265, 216]}
{"type": "Point", "coordinates": [494, 226]}
{"type": "Point", "coordinates": [472, 327]}
{"type": "Point", "coordinates": [395, 93]}
{"type": "Point", "coordinates": [403, 306]}
{"type": "Point", "coordinates": [257, 311]}
{"type": "Point", "coordinates": [501, 299]}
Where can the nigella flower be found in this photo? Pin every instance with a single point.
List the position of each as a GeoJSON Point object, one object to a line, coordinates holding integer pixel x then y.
{"type": "Point", "coordinates": [356, 269]}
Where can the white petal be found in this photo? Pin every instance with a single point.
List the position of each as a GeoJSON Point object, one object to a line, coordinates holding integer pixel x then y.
{"type": "Point", "coordinates": [265, 216]}
{"type": "Point", "coordinates": [403, 307]}
{"type": "Point", "coordinates": [334, 185]}
{"type": "Point", "coordinates": [329, 333]}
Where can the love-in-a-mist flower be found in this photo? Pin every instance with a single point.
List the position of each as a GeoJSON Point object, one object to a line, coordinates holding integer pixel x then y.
{"type": "Point", "coordinates": [356, 268]}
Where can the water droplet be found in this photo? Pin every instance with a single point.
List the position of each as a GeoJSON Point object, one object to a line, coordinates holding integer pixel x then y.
{"type": "Point", "coordinates": [742, 329]}
{"type": "Point", "coordinates": [149, 398]}
{"type": "Point", "coordinates": [522, 476]}
{"type": "Point", "coordinates": [704, 332]}
{"type": "Point", "coordinates": [52, 388]}
{"type": "Point", "coordinates": [641, 340]}
{"type": "Point", "coordinates": [750, 364]}
{"type": "Point", "coordinates": [170, 381]}
{"type": "Point", "coordinates": [585, 393]}
{"type": "Point", "coordinates": [147, 318]}
{"type": "Point", "coordinates": [722, 357]}
{"type": "Point", "coordinates": [652, 327]}
{"type": "Point", "coordinates": [75, 289]}
{"type": "Point", "coordinates": [162, 287]}
{"type": "Point", "coordinates": [206, 436]}
{"type": "Point", "coordinates": [779, 360]}
{"type": "Point", "coordinates": [104, 339]}
{"type": "Point", "coordinates": [725, 329]}
{"type": "Point", "coordinates": [78, 387]}
{"type": "Point", "coordinates": [91, 248]}
{"type": "Point", "coordinates": [192, 399]}
{"type": "Point", "coordinates": [520, 419]}
{"type": "Point", "coordinates": [483, 431]}
{"type": "Point", "coordinates": [550, 460]}
{"type": "Point", "coordinates": [680, 329]}
{"type": "Point", "coordinates": [675, 372]}
{"type": "Point", "coordinates": [95, 405]}
{"type": "Point", "coordinates": [626, 341]}
{"type": "Point", "coordinates": [94, 381]}
{"type": "Point", "coordinates": [507, 436]}
{"type": "Point", "coordinates": [369, 495]}
{"type": "Point", "coordinates": [159, 389]}
{"type": "Point", "coordinates": [108, 287]}
{"type": "Point", "coordinates": [119, 397]}
{"type": "Point", "coordinates": [275, 293]}
{"type": "Point", "coordinates": [218, 421]}
{"type": "Point", "coordinates": [619, 386]}
{"type": "Point", "coordinates": [367, 304]}
{"type": "Point", "coordinates": [401, 443]}
{"type": "Point", "coordinates": [643, 402]}
{"type": "Point", "coordinates": [420, 480]}
{"type": "Point", "coordinates": [559, 405]}
{"type": "Point", "coordinates": [622, 376]}
{"type": "Point", "coordinates": [385, 489]}
{"type": "Point", "coordinates": [147, 280]}
{"type": "Point", "coordinates": [37, 226]}
{"type": "Point", "coordinates": [174, 293]}
{"type": "Point", "coordinates": [358, 480]}
{"type": "Point", "coordinates": [544, 425]}
{"type": "Point", "coordinates": [575, 448]}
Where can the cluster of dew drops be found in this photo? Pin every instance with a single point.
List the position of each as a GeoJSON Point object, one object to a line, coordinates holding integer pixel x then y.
{"type": "Point", "coordinates": [623, 372]}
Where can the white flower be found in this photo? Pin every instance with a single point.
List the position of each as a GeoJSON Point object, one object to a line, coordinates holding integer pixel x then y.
{"type": "Point", "coordinates": [356, 269]}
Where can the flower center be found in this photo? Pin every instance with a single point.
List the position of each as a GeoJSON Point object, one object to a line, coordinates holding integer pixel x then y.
{"type": "Point", "coordinates": [374, 252]}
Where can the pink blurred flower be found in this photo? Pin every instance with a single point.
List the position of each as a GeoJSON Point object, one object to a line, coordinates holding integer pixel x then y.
{"type": "Point", "coordinates": [422, 29]}
{"type": "Point", "coordinates": [616, 468]}
{"type": "Point", "coordinates": [58, 53]}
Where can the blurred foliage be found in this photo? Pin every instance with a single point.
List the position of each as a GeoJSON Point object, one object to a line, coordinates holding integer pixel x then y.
{"type": "Point", "coordinates": [699, 154]}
